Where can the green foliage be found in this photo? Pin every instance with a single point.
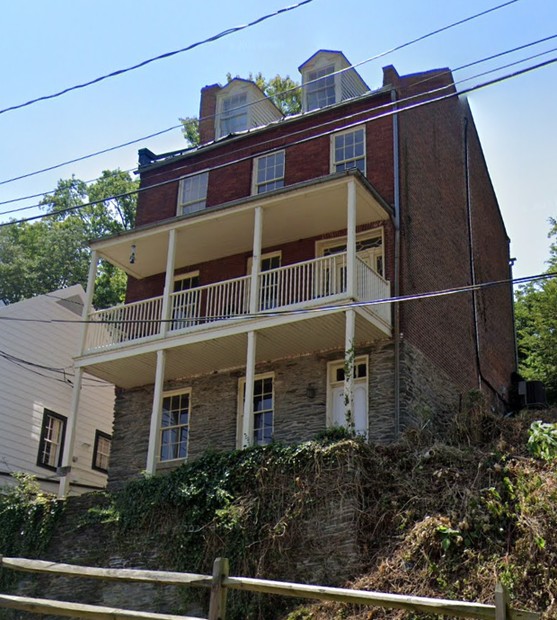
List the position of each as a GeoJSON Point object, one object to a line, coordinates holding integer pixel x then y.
{"type": "Point", "coordinates": [190, 129]}
{"type": "Point", "coordinates": [46, 255]}
{"type": "Point", "coordinates": [542, 440]}
{"type": "Point", "coordinates": [536, 325]}
{"type": "Point", "coordinates": [27, 520]}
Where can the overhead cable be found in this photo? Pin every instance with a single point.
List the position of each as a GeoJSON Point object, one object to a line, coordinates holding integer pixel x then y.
{"type": "Point", "coordinates": [360, 121]}
{"type": "Point", "coordinates": [315, 310]}
{"type": "Point", "coordinates": [287, 91]}
{"type": "Point", "coordinates": [215, 37]}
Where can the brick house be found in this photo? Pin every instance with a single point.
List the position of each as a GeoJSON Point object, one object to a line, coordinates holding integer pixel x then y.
{"type": "Point", "coordinates": [263, 250]}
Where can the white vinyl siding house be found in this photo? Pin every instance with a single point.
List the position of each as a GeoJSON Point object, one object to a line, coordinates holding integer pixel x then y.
{"type": "Point", "coordinates": [36, 382]}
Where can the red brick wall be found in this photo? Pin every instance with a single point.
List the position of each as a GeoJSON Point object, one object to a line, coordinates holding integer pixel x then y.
{"type": "Point", "coordinates": [435, 245]}
{"type": "Point", "coordinates": [236, 266]}
{"type": "Point", "coordinates": [231, 160]}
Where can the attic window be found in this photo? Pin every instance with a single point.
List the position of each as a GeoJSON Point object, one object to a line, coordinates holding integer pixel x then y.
{"type": "Point", "coordinates": [321, 88]}
{"type": "Point", "coordinates": [234, 114]}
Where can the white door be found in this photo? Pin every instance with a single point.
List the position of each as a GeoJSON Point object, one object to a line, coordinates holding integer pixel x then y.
{"type": "Point", "coordinates": [337, 408]}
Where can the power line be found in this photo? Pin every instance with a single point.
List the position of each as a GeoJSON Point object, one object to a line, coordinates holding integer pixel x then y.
{"type": "Point", "coordinates": [215, 37]}
{"type": "Point", "coordinates": [290, 90]}
{"type": "Point", "coordinates": [312, 137]}
{"type": "Point", "coordinates": [327, 308]}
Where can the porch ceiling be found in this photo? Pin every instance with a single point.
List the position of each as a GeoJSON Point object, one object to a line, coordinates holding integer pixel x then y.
{"type": "Point", "coordinates": [301, 335]}
{"type": "Point", "coordinates": [299, 212]}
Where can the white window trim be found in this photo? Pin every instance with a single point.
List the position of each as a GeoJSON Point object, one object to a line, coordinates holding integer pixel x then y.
{"type": "Point", "coordinates": [242, 108]}
{"type": "Point", "coordinates": [255, 172]}
{"type": "Point", "coordinates": [332, 161]}
{"type": "Point", "coordinates": [323, 244]}
{"type": "Point", "coordinates": [180, 205]}
{"type": "Point", "coordinates": [331, 385]}
{"type": "Point", "coordinates": [240, 415]}
{"type": "Point", "coordinates": [321, 64]}
{"type": "Point", "coordinates": [159, 436]}
{"type": "Point", "coordinates": [263, 257]}
{"type": "Point", "coordinates": [185, 276]}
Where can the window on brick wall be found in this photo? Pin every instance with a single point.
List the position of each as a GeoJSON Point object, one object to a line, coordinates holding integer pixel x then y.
{"type": "Point", "coordinates": [175, 425]}
{"type": "Point", "coordinates": [263, 409]}
{"type": "Point", "coordinates": [268, 172]}
{"type": "Point", "coordinates": [51, 443]}
{"type": "Point", "coordinates": [192, 194]}
{"type": "Point", "coordinates": [101, 451]}
{"type": "Point", "coordinates": [348, 150]}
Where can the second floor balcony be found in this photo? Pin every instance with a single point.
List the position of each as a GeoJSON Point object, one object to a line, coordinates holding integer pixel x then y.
{"type": "Point", "coordinates": [324, 231]}
{"type": "Point", "coordinates": [319, 284]}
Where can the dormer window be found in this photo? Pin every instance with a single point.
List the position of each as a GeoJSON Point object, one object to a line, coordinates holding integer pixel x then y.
{"type": "Point", "coordinates": [241, 106]}
{"type": "Point", "coordinates": [328, 78]}
{"type": "Point", "coordinates": [234, 115]}
{"type": "Point", "coordinates": [321, 88]}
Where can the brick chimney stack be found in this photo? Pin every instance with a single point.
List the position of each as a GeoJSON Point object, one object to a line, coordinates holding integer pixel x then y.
{"type": "Point", "coordinates": [207, 113]}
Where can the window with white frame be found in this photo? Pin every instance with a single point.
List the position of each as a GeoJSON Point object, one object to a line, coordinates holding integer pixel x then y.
{"type": "Point", "coordinates": [320, 90]}
{"type": "Point", "coordinates": [101, 451]}
{"type": "Point", "coordinates": [269, 278]}
{"type": "Point", "coordinates": [185, 301]}
{"type": "Point", "coordinates": [51, 443]}
{"type": "Point", "coordinates": [192, 195]}
{"type": "Point", "coordinates": [268, 172]}
{"type": "Point", "coordinates": [175, 425]}
{"type": "Point", "coordinates": [348, 150]}
{"type": "Point", "coordinates": [233, 114]}
{"type": "Point", "coordinates": [263, 409]}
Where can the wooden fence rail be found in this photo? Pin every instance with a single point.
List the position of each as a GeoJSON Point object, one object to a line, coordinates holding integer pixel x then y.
{"type": "Point", "coordinates": [220, 582]}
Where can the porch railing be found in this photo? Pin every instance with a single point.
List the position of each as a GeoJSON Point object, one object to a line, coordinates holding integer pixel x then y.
{"type": "Point", "coordinates": [316, 281]}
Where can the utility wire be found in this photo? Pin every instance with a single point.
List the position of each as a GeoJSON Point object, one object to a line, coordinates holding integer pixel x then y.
{"type": "Point", "coordinates": [215, 37]}
{"type": "Point", "coordinates": [288, 91]}
{"type": "Point", "coordinates": [328, 308]}
{"type": "Point", "coordinates": [312, 137]}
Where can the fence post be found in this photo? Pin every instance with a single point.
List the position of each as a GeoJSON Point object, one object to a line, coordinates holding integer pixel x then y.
{"type": "Point", "coordinates": [501, 602]}
{"type": "Point", "coordinates": [217, 602]}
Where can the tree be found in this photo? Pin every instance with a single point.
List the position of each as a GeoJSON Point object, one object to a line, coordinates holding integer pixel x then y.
{"type": "Point", "coordinates": [284, 92]}
{"type": "Point", "coordinates": [536, 325]}
{"type": "Point", "coordinates": [52, 253]}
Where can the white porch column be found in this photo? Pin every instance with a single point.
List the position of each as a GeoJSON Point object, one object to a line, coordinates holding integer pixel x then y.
{"type": "Point", "coordinates": [350, 317]}
{"type": "Point", "coordinates": [351, 240]}
{"type": "Point", "coordinates": [88, 303]}
{"type": "Point", "coordinates": [166, 311]}
{"type": "Point", "coordinates": [256, 260]}
{"type": "Point", "coordinates": [69, 442]}
{"type": "Point", "coordinates": [247, 420]}
{"type": "Point", "coordinates": [156, 413]}
{"type": "Point", "coordinates": [70, 435]}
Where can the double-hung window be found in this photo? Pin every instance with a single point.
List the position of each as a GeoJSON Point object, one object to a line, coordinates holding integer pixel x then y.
{"type": "Point", "coordinates": [263, 408]}
{"type": "Point", "coordinates": [101, 451]}
{"type": "Point", "coordinates": [268, 172]}
{"type": "Point", "coordinates": [349, 151]}
{"type": "Point", "coordinates": [234, 114]}
{"type": "Point", "coordinates": [51, 444]}
{"type": "Point", "coordinates": [192, 195]}
{"type": "Point", "coordinates": [320, 91]}
{"type": "Point", "coordinates": [175, 425]}
{"type": "Point", "coordinates": [186, 300]}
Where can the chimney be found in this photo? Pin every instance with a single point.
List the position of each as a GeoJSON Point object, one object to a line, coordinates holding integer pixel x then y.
{"type": "Point", "coordinates": [390, 76]}
{"type": "Point", "coordinates": [207, 113]}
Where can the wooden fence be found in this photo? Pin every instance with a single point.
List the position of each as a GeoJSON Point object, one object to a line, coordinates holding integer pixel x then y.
{"type": "Point", "coordinates": [220, 582]}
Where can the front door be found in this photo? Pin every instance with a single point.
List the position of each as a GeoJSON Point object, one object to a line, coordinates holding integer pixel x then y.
{"type": "Point", "coordinates": [337, 409]}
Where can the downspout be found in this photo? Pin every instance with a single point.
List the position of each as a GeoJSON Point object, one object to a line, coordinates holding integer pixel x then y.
{"type": "Point", "coordinates": [396, 283]}
{"type": "Point", "coordinates": [471, 255]}
{"type": "Point", "coordinates": [481, 378]}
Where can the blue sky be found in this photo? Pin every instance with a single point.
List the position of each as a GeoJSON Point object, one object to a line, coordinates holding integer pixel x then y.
{"type": "Point", "coordinates": [48, 46]}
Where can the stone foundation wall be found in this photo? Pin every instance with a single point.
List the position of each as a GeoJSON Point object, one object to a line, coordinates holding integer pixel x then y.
{"type": "Point", "coordinates": [425, 391]}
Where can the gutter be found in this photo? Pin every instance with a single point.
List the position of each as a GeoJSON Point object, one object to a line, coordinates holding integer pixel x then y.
{"type": "Point", "coordinates": [396, 283]}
